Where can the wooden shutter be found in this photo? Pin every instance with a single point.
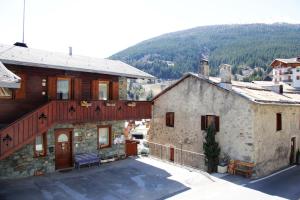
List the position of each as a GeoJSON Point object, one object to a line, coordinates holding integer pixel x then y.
{"type": "Point", "coordinates": [95, 89]}
{"type": "Point", "coordinates": [203, 122]}
{"type": "Point", "coordinates": [114, 91]}
{"type": "Point", "coordinates": [77, 89]}
{"type": "Point", "coordinates": [52, 88]}
{"type": "Point", "coordinates": [172, 119]}
{"type": "Point", "coordinates": [21, 92]}
{"type": "Point", "coordinates": [278, 121]}
{"type": "Point", "coordinates": [167, 119]}
{"type": "Point", "coordinates": [217, 123]}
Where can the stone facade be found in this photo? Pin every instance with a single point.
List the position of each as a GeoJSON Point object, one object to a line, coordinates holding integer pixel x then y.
{"type": "Point", "coordinates": [273, 148]}
{"type": "Point", "coordinates": [23, 163]}
{"type": "Point", "coordinates": [122, 88]}
{"type": "Point", "coordinates": [247, 129]}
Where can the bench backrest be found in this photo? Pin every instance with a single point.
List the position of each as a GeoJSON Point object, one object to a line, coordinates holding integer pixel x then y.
{"type": "Point", "coordinates": [242, 163]}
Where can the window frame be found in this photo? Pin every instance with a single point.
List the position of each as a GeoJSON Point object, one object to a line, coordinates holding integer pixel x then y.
{"type": "Point", "coordinates": [278, 121]}
{"type": "Point", "coordinates": [204, 120]}
{"type": "Point", "coordinates": [44, 140]}
{"type": "Point", "coordinates": [7, 97]}
{"type": "Point", "coordinates": [69, 88]}
{"type": "Point", "coordinates": [107, 83]}
{"type": "Point", "coordinates": [170, 119]}
{"type": "Point", "coordinates": [109, 136]}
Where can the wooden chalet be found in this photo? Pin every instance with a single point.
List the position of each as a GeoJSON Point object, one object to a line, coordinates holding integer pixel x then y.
{"type": "Point", "coordinates": [65, 104]}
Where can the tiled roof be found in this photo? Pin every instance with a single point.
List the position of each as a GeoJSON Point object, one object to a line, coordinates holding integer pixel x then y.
{"type": "Point", "coordinates": [255, 92]}
{"type": "Point", "coordinates": [45, 59]}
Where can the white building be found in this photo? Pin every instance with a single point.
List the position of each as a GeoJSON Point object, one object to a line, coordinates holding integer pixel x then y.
{"type": "Point", "coordinates": [287, 71]}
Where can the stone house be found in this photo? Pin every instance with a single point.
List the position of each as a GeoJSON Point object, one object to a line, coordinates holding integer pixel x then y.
{"type": "Point", "coordinates": [54, 106]}
{"type": "Point", "coordinates": [256, 122]}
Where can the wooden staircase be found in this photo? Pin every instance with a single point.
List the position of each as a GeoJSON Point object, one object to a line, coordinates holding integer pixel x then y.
{"type": "Point", "coordinates": [24, 130]}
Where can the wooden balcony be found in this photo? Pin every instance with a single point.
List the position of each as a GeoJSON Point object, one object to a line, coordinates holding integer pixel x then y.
{"type": "Point", "coordinates": [25, 129]}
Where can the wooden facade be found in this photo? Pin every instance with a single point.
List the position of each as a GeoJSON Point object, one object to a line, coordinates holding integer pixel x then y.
{"type": "Point", "coordinates": [35, 107]}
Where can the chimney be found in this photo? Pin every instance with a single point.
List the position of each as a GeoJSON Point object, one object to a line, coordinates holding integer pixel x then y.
{"type": "Point", "coordinates": [225, 75]}
{"type": "Point", "coordinates": [70, 51]}
{"type": "Point", "coordinates": [277, 88]}
{"type": "Point", "coordinates": [204, 68]}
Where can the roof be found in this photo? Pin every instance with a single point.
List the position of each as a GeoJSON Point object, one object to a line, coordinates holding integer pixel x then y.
{"type": "Point", "coordinates": [8, 79]}
{"type": "Point", "coordinates": [255, 92]}
{"type": "Point", "coordinates": [53, 60]}
{"type": "Point", "coordinates": [292, 61]}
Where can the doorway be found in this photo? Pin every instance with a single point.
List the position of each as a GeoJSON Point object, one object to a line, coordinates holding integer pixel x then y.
{"type": "Point", "coordinates": [292, 155]}
{"type": "Point", "coordinates": [63, 148]}
{"type": "Point", "coordinates": [171, 154]}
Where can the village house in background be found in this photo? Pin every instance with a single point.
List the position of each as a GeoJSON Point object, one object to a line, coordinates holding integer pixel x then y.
{"type": "Point", "coordinates": [56, 107]}
{"type": "Point", "coordinates": [287, 71]}
{"type": "Point", "coordinates": [256, 122]}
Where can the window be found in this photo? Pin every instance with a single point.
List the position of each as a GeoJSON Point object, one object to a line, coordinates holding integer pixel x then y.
{"type": "Point", "coordinates": [210, 120]}
{"type": "Point", "coordinates": [5, 93]}
{"type": "Point", "coordinates": [278, 122]}
{"type": "Point", "coordinates": [170, 119]}
{"type": "Point", "coordinates": [289, 78]}
{"type": "Point", "coordinates": [298, 77]}
{"type": "Point", "coordinates": [298, 69]}
{"type": "Point", "coordinates": [104, 136]}
{"type": "Point", "coordinates": [103, 90]}
{"type": "Point", "coordinates": [40, 145]}
{"type": "Point", "coordinates": [63, 88]}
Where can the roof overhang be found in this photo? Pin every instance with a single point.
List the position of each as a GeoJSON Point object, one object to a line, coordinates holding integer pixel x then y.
{"type": "Point", "coordinates": [8, 79]}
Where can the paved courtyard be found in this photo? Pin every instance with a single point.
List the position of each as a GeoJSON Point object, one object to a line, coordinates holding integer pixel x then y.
{"type": "Point", "coordinates": [141, 178]}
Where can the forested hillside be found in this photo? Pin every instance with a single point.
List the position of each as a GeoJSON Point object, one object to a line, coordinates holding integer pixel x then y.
{"type": "Point", "coordinates": [254, 45]}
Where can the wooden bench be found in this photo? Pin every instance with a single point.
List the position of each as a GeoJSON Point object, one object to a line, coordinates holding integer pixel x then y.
{"type": "Point", "coordinates": [244, 168]}
{"type": "Point", "coordinates": [86, 159]}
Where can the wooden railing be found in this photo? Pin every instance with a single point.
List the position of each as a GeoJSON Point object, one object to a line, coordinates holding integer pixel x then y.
{"type": "Point", "coordinates": [25, 129]}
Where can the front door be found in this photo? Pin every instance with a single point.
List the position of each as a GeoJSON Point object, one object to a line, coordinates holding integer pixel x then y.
{"type": "Point", "coordinates": [63, 148]}
{"type": "Point", "coordinates": [292, 155]}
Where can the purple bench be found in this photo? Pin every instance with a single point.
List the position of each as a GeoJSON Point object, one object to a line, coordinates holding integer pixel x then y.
{"type": "Point", "coordinates": [86, 159]}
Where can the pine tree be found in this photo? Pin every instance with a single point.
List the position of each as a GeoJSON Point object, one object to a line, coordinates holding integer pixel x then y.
{"type": "Point", "coordinates": [211, 149]}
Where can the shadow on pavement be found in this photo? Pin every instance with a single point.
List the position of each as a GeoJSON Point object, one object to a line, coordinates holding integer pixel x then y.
{"type": "Point", "coordinates": [125, 179]}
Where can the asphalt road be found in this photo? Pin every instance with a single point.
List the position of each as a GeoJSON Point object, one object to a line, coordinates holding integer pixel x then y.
{"type": "Point", "coordinates": [285, 184]}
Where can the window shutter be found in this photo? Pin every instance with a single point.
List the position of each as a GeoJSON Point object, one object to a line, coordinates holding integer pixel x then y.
{"type": "Point", "coordinates": [95, 89]}
{"type": "Point", "coordinates": [115, 90]}
{"type": "Point", "coordinates": [203, 122]}
{"type": "Point", "coordinates": [110, 90]}
{"type": "Point", "coordinates": [172, 119]}
{"type": "Point", "coordinates": [77, 89]}
{"type": "Point", "coordinates": [21, 92]}
{"type": "Point", "coordinates": [52, 82]}
{"type": "Point", "coordinates": [278, 122]}
{"type": "Point", "coordinates": [217, 121]}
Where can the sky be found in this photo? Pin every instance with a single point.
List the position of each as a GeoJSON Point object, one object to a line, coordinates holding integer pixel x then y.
{"type": "Point", "coordinates": [100, 28]}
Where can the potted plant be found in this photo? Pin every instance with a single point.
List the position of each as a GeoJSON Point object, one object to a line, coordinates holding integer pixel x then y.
{"type": "Point", "coordinates": [223, 164]}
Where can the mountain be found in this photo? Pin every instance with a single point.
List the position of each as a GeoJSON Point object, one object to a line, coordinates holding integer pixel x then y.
{"type": "Point", "coordinates": [249, 45]}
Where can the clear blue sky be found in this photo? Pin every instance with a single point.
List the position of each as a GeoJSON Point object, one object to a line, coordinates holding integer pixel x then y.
{"type": "Point", "coordinates": [103, 27]}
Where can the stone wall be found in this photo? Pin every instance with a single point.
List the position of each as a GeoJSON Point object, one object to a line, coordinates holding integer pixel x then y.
{"type": "Point", "coordinates": [23, 163]}
{"type": "Point", "coordinates": [193, 98]}
{"type": "Point", "coordinates": [272, 148]}
{"type": "Point", "coordinates": [122, 88]}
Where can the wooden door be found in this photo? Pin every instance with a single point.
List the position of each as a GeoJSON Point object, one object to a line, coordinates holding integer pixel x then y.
{"type": "Point", "coordinates": [63, 148]}
{"type": "Point", "coordinates": [292, 155]}
{"type": "Point", "coordinates": [172, 154]}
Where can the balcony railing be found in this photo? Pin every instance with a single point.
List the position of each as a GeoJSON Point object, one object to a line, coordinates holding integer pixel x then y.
{"type": "Point", "coordinates": [25, 129]}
